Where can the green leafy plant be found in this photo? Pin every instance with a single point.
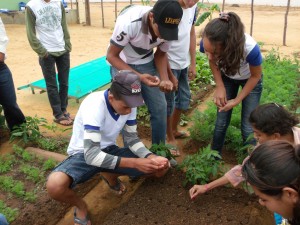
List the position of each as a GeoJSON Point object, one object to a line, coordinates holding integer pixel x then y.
{"type": "Point", "coordinates": [32, 173]}
{"type": "Point", "coordinates": [161, 150]}
{"type": "Point", "coordinates": [49, 164]}
{"type": "Point", "coordinates": [208, 12]}
{"type": "Point", "coordinates": [10, 185]}
{"type": "Point", "coordinates": [10, 214]}
{"type": "Point", "coordinates": [6, 162]}
{"type": "Point", "coordinates": [200, 167]}
{"type": "Point", "coordinates": [28, 131]}
{"type": "Point", "coordinates": [143, 115]}
{"type": "Point", "coordinates": [19, 151]}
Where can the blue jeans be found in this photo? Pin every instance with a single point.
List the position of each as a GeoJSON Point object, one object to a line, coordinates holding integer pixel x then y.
{"type": "Point", "coordinates": [248, 105]}
{"type": "Point", "coordinates": [155, 101]}
{"type": "Point", "coordinates": [58, 97]}
{"type": "Point", "coordinates": [181, 98]}
{"type": "Point", "coordinates": [3, 220]}
{"type": "Point", "coordinates": [76, 167]}
{"type": "Point", "coordinates": [8, 100]}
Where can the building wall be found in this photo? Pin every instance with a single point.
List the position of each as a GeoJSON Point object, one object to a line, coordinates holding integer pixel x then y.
{"type": "Point", "coordinates": [11, 4]}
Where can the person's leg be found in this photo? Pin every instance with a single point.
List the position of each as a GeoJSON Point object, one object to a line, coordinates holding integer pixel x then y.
{"type": "Point", "coordinates": [223, 118]}
{"type": "Point", "coordinates": [63, 69]}
{"type": "Point", "coordinates": [66, 176]}
{"type": "Point", "coordinates": [156, 103]}
{"type": "Point", "coordinates": [170, 99]}
{"type": "Point", "coordinates": [182, 100]}
{"type": "Point", "coordinates": [8, 100]}
{"type": "Point", "coordinates": [248, 105]}
{"type": "Point", "coordinates": [48, 69]}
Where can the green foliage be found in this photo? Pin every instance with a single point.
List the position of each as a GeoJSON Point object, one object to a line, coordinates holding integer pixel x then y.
{"type": "Point", "coordinates": [49, 164]}
{"type": "Point", "coordinates": [201, 166]}
{"type": "Point", "coordinates": [207, 14]}
{"type": "Point", "coordinates": [161, 150]}
{"type": "Point", "coordinates": [204, 74]}
{"type": "Point", "coordinates": [53, 144]}
{"type": "Point", "coordinates": [26, 156]}
{"type": "Point", "coordinates": [28, 131]}
{"type": "Point", "coordinates": [32, 173]}
{"type": "Point", "coordinates": [6, 162]}
{"type": "Point", "coordinates": [10, 185]}
{"type": "Point", "coordinates": [143, 115]}
{"type": "Point", "coordinates": [10, 214]}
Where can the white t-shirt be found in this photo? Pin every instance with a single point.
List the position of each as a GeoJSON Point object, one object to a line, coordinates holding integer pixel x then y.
{"type": "Point", "coordinates": [178, 53]}
{"type": "Point", "coordinates": [131, 33]}
{"type": "Point", "coordinates": [48, 24]}
{"type": "Point", "coordinates": [3, 38]}
{"type": "Point", "coordinates": [96, 112]}
{"type": "Point", "coordinates": [252, 57]}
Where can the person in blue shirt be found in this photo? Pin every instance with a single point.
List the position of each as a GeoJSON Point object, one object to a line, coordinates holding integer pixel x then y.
{"type": "Point", "coordinates": [3, 220]}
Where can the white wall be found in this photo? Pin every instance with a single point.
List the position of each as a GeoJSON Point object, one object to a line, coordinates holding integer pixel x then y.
{"type": "Point", "coordinates": [294, 3]}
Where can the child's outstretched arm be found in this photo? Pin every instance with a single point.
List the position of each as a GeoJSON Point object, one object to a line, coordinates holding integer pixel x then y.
{"type": "Point", "coordinates": [233, 176]}
{"type": "Point", "coordinates": [201, 189]}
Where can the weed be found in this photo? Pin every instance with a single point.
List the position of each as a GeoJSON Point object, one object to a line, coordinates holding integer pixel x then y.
{"type": "Point", "coordinates": [200, 167]}
{"type": "Point", "coordinates": [49, 164]}
{"type": "Point", "coordinates": [6, 162]}
{"type": "Point", "coordinates": [26, 156]}
{"type": "Point", "coordinates": [10, 214]}
{"type": "Point", "coordinates": [28, 131]}
{"type": "Point", "coordinates": [32, 173]}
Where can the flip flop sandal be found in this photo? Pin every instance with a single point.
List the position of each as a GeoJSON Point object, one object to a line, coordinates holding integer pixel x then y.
{"type": "Point", "coordinates": [67, 115]}
{"type": "Point", "coordinates": [181, 135]}
{"type": "Point", "coordinates": [116, 188]}
{"type": "Point", "coordinates": [173, 149]}
{"type": "Point", "coordinates": [63, 118]}
{"type": "Point", "coordinates": [80, 221]}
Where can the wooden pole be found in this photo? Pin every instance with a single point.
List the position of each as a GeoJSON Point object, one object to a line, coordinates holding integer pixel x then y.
{"type": "Point", "coordinates": [116, 10]}
{"type": "Point", "coordinates": [285, 22]}
{"type": "Point", "coordinates": [252, 17]}
{"type": "Point", "coordinates": [87, 13]}
{"type": "Point", "coordinates": [102, 12]}
{"type": "Point", "coordinates": [223, 5]}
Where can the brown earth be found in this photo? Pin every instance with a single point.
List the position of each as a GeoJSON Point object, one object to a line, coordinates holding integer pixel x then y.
{"type": "Point", "coordinates": [162, 201]}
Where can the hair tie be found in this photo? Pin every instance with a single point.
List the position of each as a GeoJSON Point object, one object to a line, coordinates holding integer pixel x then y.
{"type": "Point", "coordinates": [224, 16]}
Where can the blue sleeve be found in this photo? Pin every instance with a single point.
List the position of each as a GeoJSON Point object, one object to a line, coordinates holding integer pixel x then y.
{"type": "Point", "coordinates": [201, 46]}
{"type": "Point", "coordinates": [131, 122]}
{"type": "Point", "coordinates": [195, 15]}
{"type": "Point", "coordinates": [254, 58]}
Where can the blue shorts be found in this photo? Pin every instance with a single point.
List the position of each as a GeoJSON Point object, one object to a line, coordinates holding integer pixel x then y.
{"type": "Point", "coordinates": [181, 98]}
{"type": "Point", "coordinates": [76, 167]}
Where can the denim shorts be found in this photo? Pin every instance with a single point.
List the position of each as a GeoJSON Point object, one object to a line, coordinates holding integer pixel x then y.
{"type": "Point", "coordinates": [76, 167]}
{"type": "Point", "coordinates": [181, 98]}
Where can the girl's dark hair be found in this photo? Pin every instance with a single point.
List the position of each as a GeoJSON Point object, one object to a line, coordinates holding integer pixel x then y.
{"type": "Point", "coordinates": [272, 166]}
{"type": "Point", "coordinates": [272, 118]}
{"type": "Point", "coordinates": [228, 31]}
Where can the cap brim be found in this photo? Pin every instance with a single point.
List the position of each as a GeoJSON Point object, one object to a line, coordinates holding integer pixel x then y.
{"type": "Point", "coordinates": [168, 34]}
{"type": "Point", "coordinates": [133, 101]}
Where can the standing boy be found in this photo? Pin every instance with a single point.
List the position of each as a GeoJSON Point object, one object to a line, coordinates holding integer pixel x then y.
{"type": "Point", "coordinates": [138, 30]}
{"type": "Point", "coordinates": [49, 37]}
